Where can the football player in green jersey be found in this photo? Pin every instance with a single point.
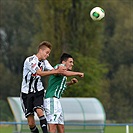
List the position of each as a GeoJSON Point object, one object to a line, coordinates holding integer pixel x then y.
{"type": "Point", "coordinates": [56, 85]}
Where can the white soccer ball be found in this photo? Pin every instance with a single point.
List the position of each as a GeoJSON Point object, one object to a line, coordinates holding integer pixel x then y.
{"type": "Point", "coordinates": [97, 13]}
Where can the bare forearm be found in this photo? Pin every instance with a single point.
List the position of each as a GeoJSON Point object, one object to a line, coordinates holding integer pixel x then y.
{"type": "Point", "coordinates": [71, 73]}
{"type": "Point", "coordinates": [69, 83]}
{"type": "Point", "coordinates": [60, 70]}
{"type": "Point", "coordinates": [47, 73]}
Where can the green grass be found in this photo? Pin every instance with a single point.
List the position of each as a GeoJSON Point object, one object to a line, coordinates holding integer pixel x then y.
{"type": "Point", "coordinates": [108, 129]}
{"type": "Point", "coordinates": [6, 129]}
{"type": "Point", "coordinates": [118, 129]}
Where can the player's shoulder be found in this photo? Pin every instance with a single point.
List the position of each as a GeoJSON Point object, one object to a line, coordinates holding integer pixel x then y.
{"type": "Point", "coordinates": [57, 65]}
{"type": "Point", "coordinates": [46, 61]}
{"type": "Point", "coordinates": [31, 58]}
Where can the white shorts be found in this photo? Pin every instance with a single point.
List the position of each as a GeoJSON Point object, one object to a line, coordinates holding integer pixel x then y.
{"type": "Point", "coordinates": [53, 111]}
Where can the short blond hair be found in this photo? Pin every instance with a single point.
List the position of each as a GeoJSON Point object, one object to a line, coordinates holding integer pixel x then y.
{"type": "Point", "coordinates": [44, 44]}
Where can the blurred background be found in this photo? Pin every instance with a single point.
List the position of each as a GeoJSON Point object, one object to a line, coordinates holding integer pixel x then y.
{"type": "Point", "coordinates": [103, 50]}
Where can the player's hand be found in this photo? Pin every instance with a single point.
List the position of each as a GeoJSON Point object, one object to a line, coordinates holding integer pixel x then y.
{"type": "Point", "coordinates": [81, 75]}
{"type": "Point", "coordinates": [61, 69]}
{"type": "Point", "coordinates": [74, 80]}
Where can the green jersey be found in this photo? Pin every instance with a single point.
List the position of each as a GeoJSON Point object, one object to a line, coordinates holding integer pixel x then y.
{"type": "Point", "coordinates": [56, 85]}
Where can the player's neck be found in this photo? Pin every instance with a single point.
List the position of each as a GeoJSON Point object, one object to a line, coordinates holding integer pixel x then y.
{"type": "Point", "coordinates": [38, 56]}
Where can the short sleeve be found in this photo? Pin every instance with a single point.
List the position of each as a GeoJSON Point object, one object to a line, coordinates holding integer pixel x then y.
{"type": "Point", "coordinates": [47, 65]}
{"type": "Point", "coordinates": [32, 65]}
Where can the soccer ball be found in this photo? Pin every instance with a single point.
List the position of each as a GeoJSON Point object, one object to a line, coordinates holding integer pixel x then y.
{"type": "Point", "coordinates": [97, 13]}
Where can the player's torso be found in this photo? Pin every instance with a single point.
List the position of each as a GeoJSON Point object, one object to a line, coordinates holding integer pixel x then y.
{"type": "Point", "coordinates": [56, 86]}
{"type": "Point", "coordinates": [31, 81]}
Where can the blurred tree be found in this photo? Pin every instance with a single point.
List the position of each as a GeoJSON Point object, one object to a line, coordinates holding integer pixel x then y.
{"type": "Point", "coordinates": [118, 54]}
{"type": "Point", "coordinates": [9, 83]}
{"type": "Point", "coordinates": [17, 26]}
{"type": "Point", "coordinates": [16, 32]}
{"type": "Point", "coordinates": [5, 112]}
{"type": "Point", "coordinates": [121, 94]}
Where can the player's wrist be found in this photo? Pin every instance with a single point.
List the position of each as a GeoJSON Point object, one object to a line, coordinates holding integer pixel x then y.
{"type": "Point", "coordinates": [56, 71]}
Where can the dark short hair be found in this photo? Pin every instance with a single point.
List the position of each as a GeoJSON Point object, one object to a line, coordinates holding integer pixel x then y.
{"type": "Point", "coordinates": [44, 44]}
{"type": "Point", "coordinates": [64, 57]}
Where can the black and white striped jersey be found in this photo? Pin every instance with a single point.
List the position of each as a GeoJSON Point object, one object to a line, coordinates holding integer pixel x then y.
{"type": "Point", "coordinates": [31, 82]}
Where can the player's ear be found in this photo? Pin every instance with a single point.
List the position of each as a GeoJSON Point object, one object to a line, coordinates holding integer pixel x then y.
{"type": "Point", "coordinates": [64, 62]}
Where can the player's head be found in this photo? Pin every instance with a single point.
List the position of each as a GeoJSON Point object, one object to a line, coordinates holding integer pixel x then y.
{"type": "Point", "coordinates": [44, 44]}
{"type": "Point", "coordinates": [44, 50]}
{"type": "Point", "coordinates": [67, 60]}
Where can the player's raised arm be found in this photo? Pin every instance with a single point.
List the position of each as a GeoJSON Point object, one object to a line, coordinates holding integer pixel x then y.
{"type": "Point", "coordinates": [72, 73]}
{"type": "Point", "coordinates": [60, 70]}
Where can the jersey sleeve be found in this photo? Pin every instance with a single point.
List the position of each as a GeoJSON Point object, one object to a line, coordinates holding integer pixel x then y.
{"type": "Point", "coordinates": [47, 65]}
{"type": "Point", "coordinates": [56, 67]}
{"type": "Point", "coordinates": [32, 65]}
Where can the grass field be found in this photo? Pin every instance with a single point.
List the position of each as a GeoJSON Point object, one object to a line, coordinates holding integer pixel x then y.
{"type": "Point", "coordinates": [108, 129]}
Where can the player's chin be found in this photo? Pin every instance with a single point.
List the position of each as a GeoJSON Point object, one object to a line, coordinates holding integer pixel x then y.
{"type": "Point", "coordinates": [44, 58]}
